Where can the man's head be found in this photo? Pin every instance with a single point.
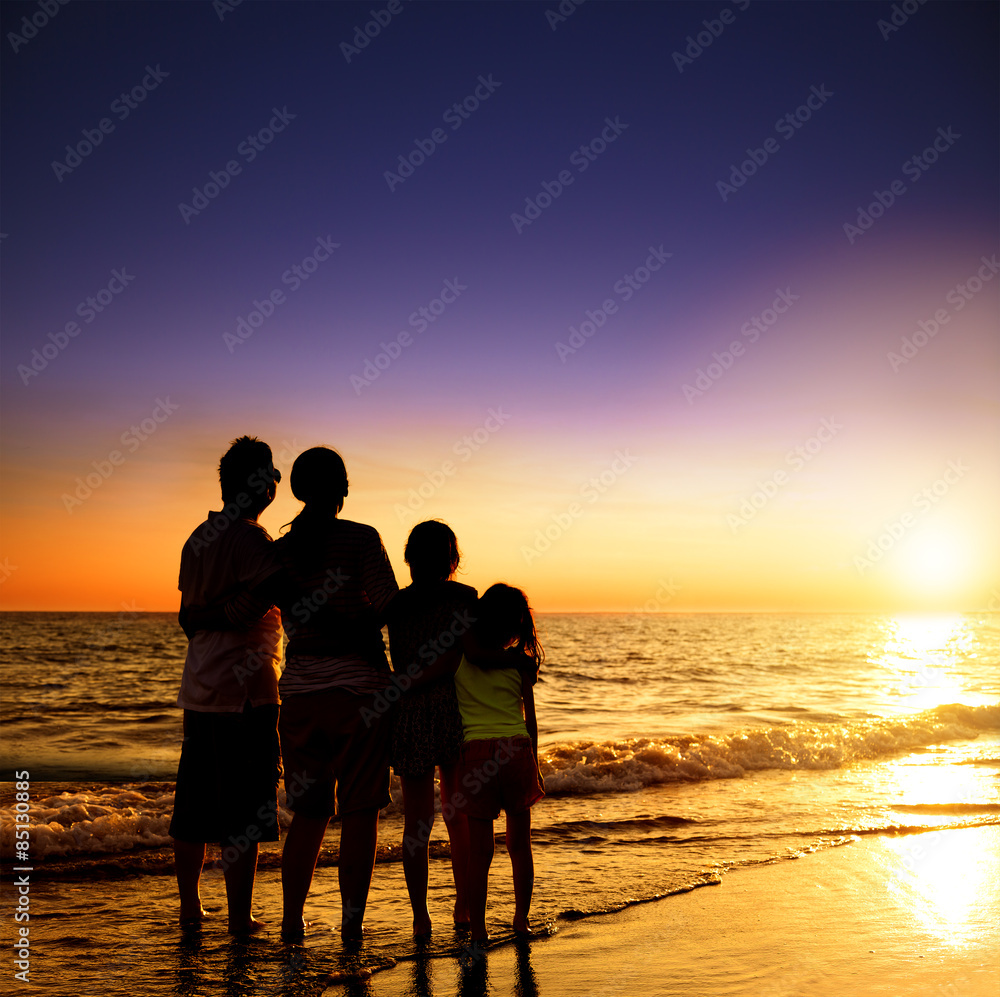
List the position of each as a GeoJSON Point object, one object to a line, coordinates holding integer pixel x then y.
{"type": "Point", "coordinates": [247, 472]}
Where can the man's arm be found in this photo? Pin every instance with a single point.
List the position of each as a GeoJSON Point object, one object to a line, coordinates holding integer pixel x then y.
{"type": "Point", "coordinates": [241, 612]}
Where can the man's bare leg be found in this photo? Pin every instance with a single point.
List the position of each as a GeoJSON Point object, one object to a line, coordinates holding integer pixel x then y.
{"type": "Point", "coordinates": [189, 857]}
{"type": "Point", "coordinates": [240, 875]}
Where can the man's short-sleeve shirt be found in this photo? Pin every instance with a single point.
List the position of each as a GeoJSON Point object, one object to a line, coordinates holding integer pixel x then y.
{"type": "Point", "coordinates": [225, 669]}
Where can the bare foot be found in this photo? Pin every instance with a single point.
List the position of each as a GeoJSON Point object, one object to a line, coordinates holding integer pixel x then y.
{"type": "Point", "coordinates": [422, 927]}
{"type": "Point", "coordinates": [295, 933]}
{"type": "Point", "coordinates": [252, 927]}
{"type": "Point", "coordinates": [194, 922]}
{"type": "Point", "coordinates": [463, 922]}
{"type": "Point", "coordinates": [521, 927]}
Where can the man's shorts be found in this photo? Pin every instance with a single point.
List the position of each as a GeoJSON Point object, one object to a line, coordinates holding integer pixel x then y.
{"type": "Point", "coordinates": [227, 779]}
{"type": "Point", "coordinates": [498, 774]}
{"type": "Point", "coordinates": [335, 747]}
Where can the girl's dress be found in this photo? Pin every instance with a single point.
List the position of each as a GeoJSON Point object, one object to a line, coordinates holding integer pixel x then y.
{"type": "Point", "coordinates": [427, 619]}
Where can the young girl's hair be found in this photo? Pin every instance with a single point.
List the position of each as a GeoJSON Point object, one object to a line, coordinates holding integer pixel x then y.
{"type": "Point", "coordinates": [503, 617]}
{"type": "Point", "coordinates": [432, 551]}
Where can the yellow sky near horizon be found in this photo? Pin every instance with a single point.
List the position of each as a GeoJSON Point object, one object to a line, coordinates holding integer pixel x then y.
{"type": "Point", "coordinates": [678, 527]}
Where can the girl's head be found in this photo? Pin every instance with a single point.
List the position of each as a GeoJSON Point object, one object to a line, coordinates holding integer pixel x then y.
{"type": "Point", "coordinates": [319, 478]}
{"type": "Point", "coordinates": [503, 618]}
{"type": "Point", "coordinates": [431, 552]}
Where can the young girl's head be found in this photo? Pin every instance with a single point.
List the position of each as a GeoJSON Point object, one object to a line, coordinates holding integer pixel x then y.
{"type": "Point", "coordinates": [503, 619]}
{"type": "Point", "coordinates": [431, 552]}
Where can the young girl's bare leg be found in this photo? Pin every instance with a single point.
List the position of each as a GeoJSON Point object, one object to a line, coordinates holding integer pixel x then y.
{"type": "Point", "coordinates": [523, 866]}
{"type": "Point", "coordinates": [418, 808]}
{"type": "Point", "coordinates": [480, 857]}
{"type": "Point", "coordinates": [458, 834]}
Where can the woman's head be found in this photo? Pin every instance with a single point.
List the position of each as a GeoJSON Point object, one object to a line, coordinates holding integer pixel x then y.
{"type": "Point", "coordinates": [319, 478]}
{"type": "Point", "coordinates": [431, 552]}
{"type": "Point", "coordinates": [503, 617]}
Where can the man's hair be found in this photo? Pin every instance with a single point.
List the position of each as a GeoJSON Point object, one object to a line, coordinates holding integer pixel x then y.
{"type": "Point", "coordinates": [247, 458]}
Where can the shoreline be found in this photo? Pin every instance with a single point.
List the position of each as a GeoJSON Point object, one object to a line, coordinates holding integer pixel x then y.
{"type": "Point", "coordinates": [881, 915]}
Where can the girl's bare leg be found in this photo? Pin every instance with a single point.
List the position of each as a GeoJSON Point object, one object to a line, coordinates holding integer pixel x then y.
{"type": "Point", "coordinates": [458, 834]}
{"type": "Point", "coordinates": [418, 810]}
{"type": "Point", "coordinates": [480, 857]}
{"type": "Point", "coordinates": [523, 866]}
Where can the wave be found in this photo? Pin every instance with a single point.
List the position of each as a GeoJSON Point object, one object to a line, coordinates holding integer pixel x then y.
{"type": "Point", "coordinates": [112, 820]}
{"type": "Point", "coordinates": [584, 767]}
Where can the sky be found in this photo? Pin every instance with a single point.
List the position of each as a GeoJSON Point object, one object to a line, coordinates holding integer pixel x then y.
{"type": "Point", "coordinates": [661, 306]}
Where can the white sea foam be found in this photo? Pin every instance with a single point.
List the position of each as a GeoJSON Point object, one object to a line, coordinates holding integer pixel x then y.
{"type": "Point", "coordinates": [616, 766]}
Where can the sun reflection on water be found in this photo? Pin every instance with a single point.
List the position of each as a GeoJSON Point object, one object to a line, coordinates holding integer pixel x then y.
{"type": "Point", "coordinates": [920, 655]}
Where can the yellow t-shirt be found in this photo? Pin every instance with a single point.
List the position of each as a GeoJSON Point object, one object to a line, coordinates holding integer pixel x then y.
{"type": "Point", "coordinates": [490, 702]}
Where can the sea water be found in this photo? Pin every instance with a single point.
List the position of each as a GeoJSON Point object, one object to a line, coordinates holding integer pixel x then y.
{"type": "Point", "coordinates": [674, 747]}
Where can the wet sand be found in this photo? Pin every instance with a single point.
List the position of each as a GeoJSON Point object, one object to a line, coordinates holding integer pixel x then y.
{"type": "Point", "coordinates": [909, 915]}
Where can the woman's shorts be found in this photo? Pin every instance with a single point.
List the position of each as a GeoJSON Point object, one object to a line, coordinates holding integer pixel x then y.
{"type": "Point", "coordinates": [335, 747]}
{"type": "Point", "coordinates": [498, 774]}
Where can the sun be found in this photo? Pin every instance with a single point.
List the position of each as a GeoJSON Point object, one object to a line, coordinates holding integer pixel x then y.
{"type": "Point", "coordinates": [935, 561]}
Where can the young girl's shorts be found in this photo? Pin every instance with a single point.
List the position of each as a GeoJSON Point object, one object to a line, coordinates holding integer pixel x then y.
{"type": "Point", "coordinates": [497, 774]}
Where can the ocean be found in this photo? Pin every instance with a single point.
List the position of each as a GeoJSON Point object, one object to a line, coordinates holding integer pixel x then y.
{"type": "Point", "coordinates": [674, 747]}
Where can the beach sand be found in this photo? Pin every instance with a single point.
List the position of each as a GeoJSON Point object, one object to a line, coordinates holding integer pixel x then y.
{"type": "Point", "coordinates": [907, 915]}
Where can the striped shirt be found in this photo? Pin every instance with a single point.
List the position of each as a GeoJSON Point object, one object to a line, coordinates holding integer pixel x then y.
{"type": "Point", "coordinates": [343, 582]}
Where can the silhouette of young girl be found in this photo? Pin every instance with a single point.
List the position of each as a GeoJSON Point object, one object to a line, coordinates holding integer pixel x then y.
{"type": "Point", "coordinates": [426, 621]}
{"type": "Point", "coordinates": [499, 765]}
